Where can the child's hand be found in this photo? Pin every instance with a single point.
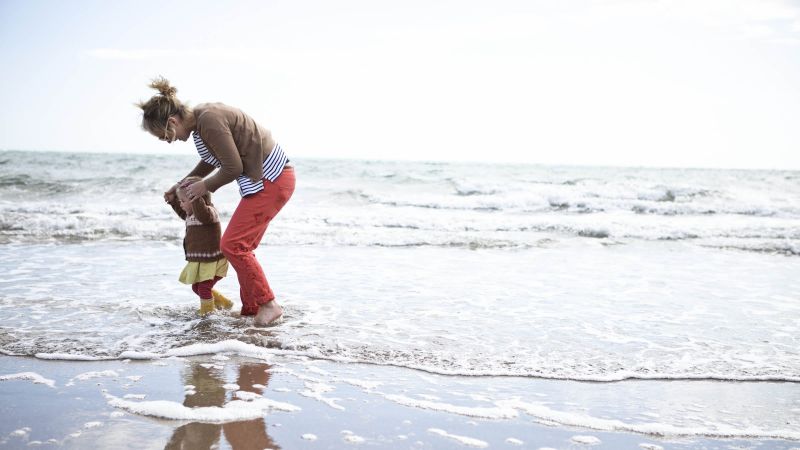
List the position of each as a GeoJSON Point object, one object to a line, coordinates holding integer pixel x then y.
{"type": "Point", "coordinates": [169, 196]}
{"type": "Point", "coordinates": [194, 190]}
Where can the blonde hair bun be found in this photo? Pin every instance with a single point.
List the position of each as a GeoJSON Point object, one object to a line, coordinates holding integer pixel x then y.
{"type": "Point", "coordinates": [162, 85]}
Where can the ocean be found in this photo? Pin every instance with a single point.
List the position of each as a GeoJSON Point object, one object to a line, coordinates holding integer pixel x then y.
{"type": "Point", "coordinates": [597, 274]}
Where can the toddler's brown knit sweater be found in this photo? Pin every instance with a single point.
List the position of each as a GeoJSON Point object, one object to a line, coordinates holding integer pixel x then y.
{"type": "Point", "coordinates": [203, 231]}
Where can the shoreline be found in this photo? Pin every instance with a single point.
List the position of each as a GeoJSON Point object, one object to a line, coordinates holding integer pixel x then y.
{"type": "Point", "coordinates": [281, 401]}
{"type": "Point", "coordinates": [139, 356]}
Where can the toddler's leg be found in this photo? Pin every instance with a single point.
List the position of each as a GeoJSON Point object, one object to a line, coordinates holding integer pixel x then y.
{"type": "Point", "coordinates": [220, 301]}
{"type": "Point", "coordinates": [203, 291]}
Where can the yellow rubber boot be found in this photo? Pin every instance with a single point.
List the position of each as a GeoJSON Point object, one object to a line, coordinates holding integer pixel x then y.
{"type": "Point", "coordinates": [206, 307]}
{"type": "Point", "coordinates": [220, 301]}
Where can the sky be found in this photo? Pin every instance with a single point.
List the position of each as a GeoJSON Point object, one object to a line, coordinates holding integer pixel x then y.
{"type": "Point", "coordinates": [657, 83]}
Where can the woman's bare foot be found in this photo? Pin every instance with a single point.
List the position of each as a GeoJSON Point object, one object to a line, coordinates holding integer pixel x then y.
{"type": "Point", "coordinates": [267, 313]}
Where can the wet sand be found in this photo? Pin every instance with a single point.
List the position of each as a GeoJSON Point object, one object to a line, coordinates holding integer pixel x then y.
{"type": "Point", "coordinates": [235, 402]}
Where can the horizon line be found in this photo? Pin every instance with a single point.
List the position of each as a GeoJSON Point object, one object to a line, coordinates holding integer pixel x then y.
{"type": "Point", "coordinates": [429, 161]}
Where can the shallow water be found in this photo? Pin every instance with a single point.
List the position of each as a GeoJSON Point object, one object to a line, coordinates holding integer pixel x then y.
{"type": "Point", "coordinates": [604, 313]}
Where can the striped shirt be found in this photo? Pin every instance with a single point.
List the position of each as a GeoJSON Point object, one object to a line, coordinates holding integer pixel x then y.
{"type": "Point", "coordinates": [271, 168]}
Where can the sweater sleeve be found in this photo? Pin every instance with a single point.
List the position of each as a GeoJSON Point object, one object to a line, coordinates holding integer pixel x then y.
{"type": "Point", "coordinates": [201, 170]}
{"type": "Point", "coordinates": [221, 142]}
{"type": "Point", "coordinates": [176, 206]}
{"type": "Point", "coordinates": [204, 212]}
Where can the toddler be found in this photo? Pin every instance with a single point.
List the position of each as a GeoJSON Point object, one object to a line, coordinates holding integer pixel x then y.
{"type": "Point", "coordinates": [206, 265]}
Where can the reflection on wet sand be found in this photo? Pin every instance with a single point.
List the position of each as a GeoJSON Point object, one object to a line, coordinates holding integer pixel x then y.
{"type": "Point", "coordinates": [209, 391]}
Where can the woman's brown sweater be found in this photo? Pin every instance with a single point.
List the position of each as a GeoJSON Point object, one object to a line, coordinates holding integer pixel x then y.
{"type": "Point", "coordinates": [235, 140]}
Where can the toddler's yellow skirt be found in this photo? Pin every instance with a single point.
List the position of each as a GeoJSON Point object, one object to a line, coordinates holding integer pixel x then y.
{"type": "Point", "coordinates": [195, 272]}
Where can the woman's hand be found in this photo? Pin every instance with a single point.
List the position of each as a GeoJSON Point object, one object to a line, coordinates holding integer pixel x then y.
{"type": "Point", "coordinates": [171, 193]}
{"type": "Point", "coordinates": [194, 190]}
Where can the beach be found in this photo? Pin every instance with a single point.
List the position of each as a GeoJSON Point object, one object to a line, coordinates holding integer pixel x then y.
{"type": "Point", "coordinates": [284, 402]}
{"type": "Point", "coordinates": [427, 305]}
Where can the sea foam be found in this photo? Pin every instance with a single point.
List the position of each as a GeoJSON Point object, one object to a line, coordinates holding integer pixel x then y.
{"type": "Point", "coordinates": [233, 411]}
{"type": "Point", "coordinates": [29, 376]}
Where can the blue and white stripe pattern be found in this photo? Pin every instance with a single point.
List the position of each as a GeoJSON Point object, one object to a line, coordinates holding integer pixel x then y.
{"type": "Point", "coordinates": [271, 169]}
{"type": "Point", "coordinates": [273, 165]}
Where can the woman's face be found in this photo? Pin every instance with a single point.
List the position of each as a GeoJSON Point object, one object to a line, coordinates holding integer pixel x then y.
{"type": "Point", "coordinates": [174, 130]}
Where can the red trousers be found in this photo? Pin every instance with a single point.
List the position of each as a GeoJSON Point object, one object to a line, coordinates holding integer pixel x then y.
{"type": "Point", "coordinates": [243, 234]}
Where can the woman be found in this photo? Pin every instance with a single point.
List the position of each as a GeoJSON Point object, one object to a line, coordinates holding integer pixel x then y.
{"type": "Point", "coordinates": [231, 141]}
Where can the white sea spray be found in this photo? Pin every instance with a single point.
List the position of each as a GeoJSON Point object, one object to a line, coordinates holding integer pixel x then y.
{"type": "Point", "coordinates": [233, 411]}
{"type": "Point", "coordinates": [30, 376]}
{"type": "Point", "coordinates": [465, 440]}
